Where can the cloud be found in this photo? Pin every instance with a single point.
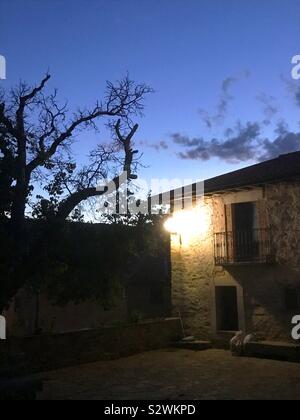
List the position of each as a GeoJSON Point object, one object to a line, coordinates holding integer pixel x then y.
{"type": "Point", "coordinates": [269, 107]}
{"type": "Point", "coordinates": [238, 147]}
{"type": "Point", "coordinates": [284, 143]}
{"type": "Point", "coordinates": [244, 143]}
{"type": "Point", "coordinates": [225, 98]}
{"type": "Point", "coordinates": [293, 88]}
{"type": "Point", "coordinates": [161, 145]}
{"type": "Point", "coordinates": [185, 140]}
{"type": "Point", "coordinates": [206, 118]}
{"type": "Point", "coordinates": [246, 74]}
{"type": "Point", "coordinates": [282, 128]}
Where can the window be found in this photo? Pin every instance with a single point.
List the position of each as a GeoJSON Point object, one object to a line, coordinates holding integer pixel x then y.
{"type": "Point", "coordinates": [227, 308]}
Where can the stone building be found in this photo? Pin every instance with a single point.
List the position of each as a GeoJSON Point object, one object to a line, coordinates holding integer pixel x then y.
{"type": "Point", "coordinates": [235, 255]}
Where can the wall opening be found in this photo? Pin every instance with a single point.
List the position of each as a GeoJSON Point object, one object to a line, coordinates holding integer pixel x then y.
{"type": "Point", "coordinates": [227, 308]}
{"type": "Point", "coordinates": [245, 225]}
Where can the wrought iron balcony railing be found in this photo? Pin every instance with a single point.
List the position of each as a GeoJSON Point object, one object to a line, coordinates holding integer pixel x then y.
{"type": "Point", "coordinates": [240, 247]}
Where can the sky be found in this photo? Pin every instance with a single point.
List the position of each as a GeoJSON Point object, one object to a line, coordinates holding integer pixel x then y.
{"type": "Point", "coordinates": [221, 70]}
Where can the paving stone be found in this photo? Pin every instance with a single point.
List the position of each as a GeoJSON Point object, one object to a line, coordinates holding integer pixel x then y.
{"type": "Point", "coordinates": [175, 374]}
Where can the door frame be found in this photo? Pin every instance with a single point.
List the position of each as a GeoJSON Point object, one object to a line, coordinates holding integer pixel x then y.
{"type": "Point", "coordinates": [224, 282]}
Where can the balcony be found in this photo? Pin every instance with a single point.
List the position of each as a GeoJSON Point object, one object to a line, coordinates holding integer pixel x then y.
{"type": "Point", "coordinates": [251, 246]}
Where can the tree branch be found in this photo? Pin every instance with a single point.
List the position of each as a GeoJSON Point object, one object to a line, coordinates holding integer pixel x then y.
{"type": "Point", "coordinates": [6, 121]}
{"type": "Point", "coordinates": [76, 198]}
{"type": "Point", "coordinates": [43, 157]}
{"type": "Point", "coordinates": [23, 101]}
{"type": "Point", "coordinates": [122, 100]}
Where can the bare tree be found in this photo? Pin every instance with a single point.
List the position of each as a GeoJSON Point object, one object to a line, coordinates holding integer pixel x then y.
{"type": "Point", "coordinates": [36, 135]}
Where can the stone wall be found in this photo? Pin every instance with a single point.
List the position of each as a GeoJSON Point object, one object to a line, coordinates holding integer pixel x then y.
{"type": "Point", "coordinates": [260, 287]}
{"type": "Point", "coordinates": [264, 287]}
{"type": "Point", "coordinates": [192, 270]}
{"type": "Point", "coordinates": [47, 352]}
{"type": "Point", "coordinates": [23, 313]}
{"type": "Point", "coordinates": [267, 313]}
{"type": "Point", "coordinates": [283, 207]}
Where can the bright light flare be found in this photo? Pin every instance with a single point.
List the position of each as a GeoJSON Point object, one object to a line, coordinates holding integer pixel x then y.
{"type": "Point", "coordinates": [188, 224]}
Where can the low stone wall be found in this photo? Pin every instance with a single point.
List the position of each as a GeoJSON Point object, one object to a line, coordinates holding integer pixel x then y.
{"type": "Point", "coordinates": [273, 350]}
{"type": "Point", "coordinates": [47, 352]}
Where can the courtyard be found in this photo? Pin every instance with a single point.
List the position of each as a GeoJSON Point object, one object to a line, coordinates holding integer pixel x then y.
{"type": "Point", "coordinates": [173, 374]}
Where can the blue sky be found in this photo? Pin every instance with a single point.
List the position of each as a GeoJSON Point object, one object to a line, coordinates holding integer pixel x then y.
{"type": "Point", "coordinates": [185, 49]}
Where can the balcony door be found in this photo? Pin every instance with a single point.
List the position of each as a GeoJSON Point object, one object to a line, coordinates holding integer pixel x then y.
{"type": "Point", "coordinates": [245, 231]}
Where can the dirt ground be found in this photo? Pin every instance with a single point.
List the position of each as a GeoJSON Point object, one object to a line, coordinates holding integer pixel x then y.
{"type": "Point", "coordinates": [175, 374]}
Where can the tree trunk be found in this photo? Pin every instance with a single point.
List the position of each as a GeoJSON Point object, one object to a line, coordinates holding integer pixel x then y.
{"type": "Point", "coordinates": [18, 209]}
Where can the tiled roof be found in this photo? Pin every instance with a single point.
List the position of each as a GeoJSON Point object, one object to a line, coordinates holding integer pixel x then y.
{"type": "Point", "coordinates": [284, 167]}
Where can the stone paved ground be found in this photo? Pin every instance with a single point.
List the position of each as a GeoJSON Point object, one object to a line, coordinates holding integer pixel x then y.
{"type": "Point", "coordinates": [176, 374]}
